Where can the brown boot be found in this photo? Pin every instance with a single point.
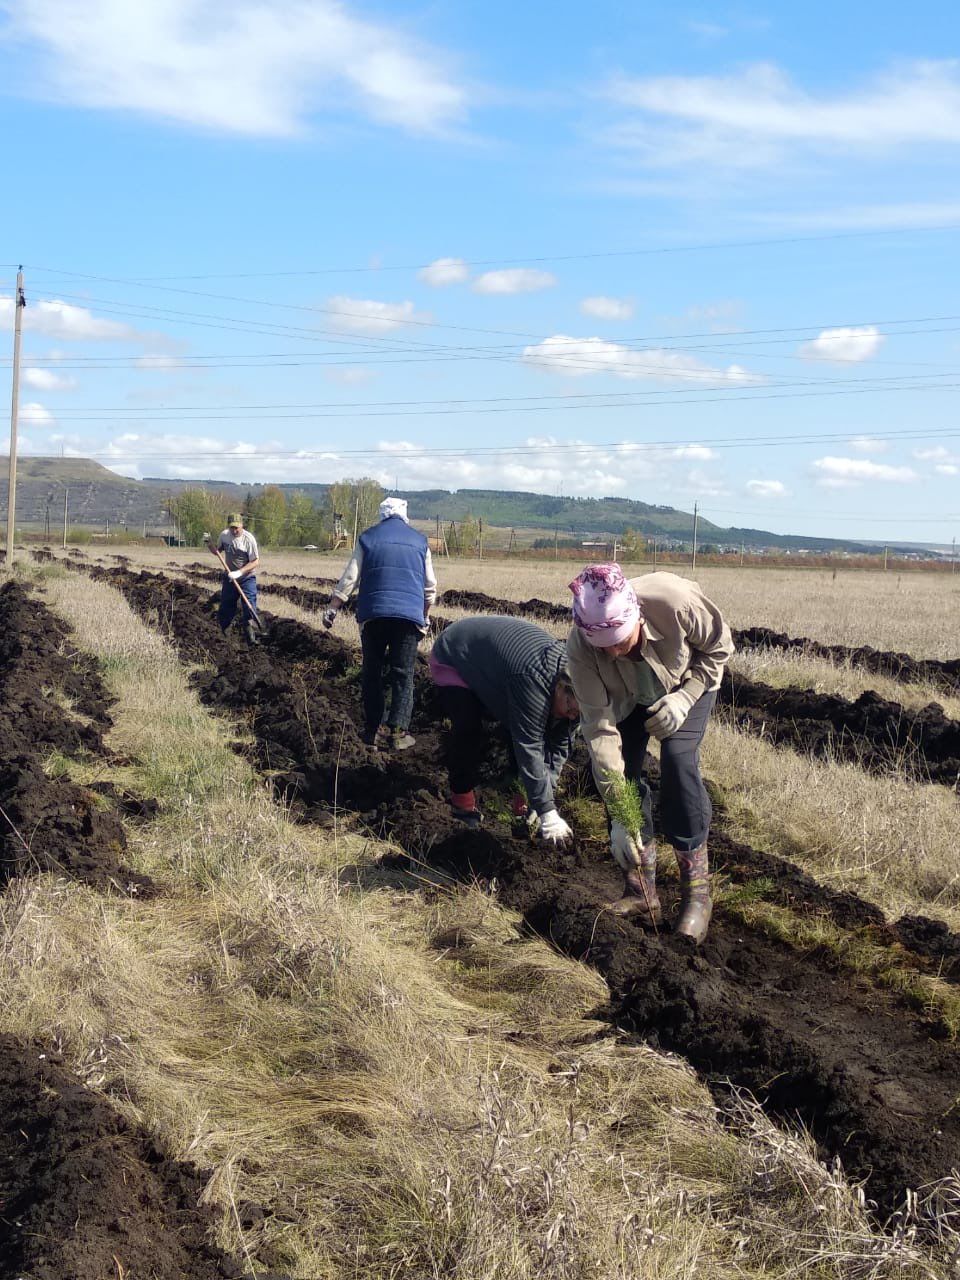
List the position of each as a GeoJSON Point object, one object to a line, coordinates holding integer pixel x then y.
{"type": "Point", "coordinates": [696, 905]}
{"type": "Point", "coordinates": [640, 888]}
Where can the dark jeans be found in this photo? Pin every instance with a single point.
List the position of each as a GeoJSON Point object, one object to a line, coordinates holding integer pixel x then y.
{"type": "Point", "coordinates": [230, 601]}
{"type": "Point", "coordinates": [685, 808]}
{"type": "Point", "coordinates": [392, 641]}
{"type": "Point", "coordinates": [466, 740]}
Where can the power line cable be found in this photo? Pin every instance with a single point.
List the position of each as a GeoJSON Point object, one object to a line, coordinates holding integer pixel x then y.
{"type": "Point", "coordinates": [704, 246]}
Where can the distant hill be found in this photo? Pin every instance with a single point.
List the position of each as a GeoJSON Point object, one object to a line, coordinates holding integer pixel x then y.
{"type": "Point", "coordinates": [99, 497]}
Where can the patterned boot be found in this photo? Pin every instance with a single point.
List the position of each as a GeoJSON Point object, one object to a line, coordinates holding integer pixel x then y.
{"type": "Point", "coordinates": [640, 888]}
{"type": "Point", "coordinates": [696, 905]}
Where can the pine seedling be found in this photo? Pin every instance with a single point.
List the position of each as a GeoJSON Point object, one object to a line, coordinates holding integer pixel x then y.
{"type": "Point", "coordinates": [622, 799]}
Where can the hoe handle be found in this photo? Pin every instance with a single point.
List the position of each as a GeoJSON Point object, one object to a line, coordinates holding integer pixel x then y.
{"type": "Point", "coordinates": [240, 592]}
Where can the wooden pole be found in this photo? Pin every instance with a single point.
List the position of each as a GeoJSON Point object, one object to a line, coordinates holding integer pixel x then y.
{"type": "Point", "coordinates": [696, 514]}
{"type": "Point", "coordinates": [480, 537]}
{"type": "Point", "coordinates": [19, 303]}
{"type": "Point", "coordinates": [66, 497]}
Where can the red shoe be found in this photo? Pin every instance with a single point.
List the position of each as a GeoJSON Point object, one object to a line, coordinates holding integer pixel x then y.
{"type": "Point", "coordinates": [463, 806]}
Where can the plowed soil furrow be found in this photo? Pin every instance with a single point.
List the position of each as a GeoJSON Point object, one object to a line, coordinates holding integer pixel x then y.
{"type": "Point", "coordinates": [874, 1080]}
{"type": "Point", "coordinates": [878, 735]}
{"type": "Point", "coordinates": [899, 666]}
{"type": "Point", "coordinates": [52, 698]}
{"type": "Point", "coordinates": [83, 1194]}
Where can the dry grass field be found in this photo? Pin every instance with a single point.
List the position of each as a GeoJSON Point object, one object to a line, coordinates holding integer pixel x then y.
{"type": "Point", "coordinates": [375, 1058]}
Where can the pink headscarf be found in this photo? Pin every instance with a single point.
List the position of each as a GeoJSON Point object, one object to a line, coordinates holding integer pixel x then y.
{"type": "Point", "coordinates": [605, 607]}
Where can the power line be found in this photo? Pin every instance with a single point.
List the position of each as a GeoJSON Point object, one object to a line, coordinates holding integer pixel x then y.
{"type": "Point", "coordinates": [567, 450]}
{"type": "Point", "coordinates": [705, 246]}
{"type": "Point", "coordinates": [585, 400]}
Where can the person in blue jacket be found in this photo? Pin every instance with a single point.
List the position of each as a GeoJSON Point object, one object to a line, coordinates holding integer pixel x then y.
{"type": "Point", "coordinates": [392, 572]}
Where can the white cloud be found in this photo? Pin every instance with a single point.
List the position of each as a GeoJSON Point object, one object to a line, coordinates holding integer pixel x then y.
{"type": "Point", "coordinates": [934, 454]}
{"type": "Point", "coordinates": [844, 346]}
{"type": "Point", "coordinates": [255, 67]}
{"type": "Point", "coordinates": [47, 380]}
{"type": "Point", "coordinates": [871, 217]}
{"type": "Point", "coordinates": [364, 315]}
{"type": "Point", "coordinates": [847, 473]}
{"type": "Point", "coordinates": [867, 444]}
{"type": "Point", "coordinates": [444, 272]}
{"type": "Point", "coordinates": [947, 469]}
{"type": "Point", "coordinates": [35, 415]}
{"type": "Point", "coordinates": [604, 308]}
{"type": "Point", "coordinates": [514, 280]}
{"type": "Point", "coordinates": [767, 488]}
{"type": "Point", "coordinates": [625, 469]}
{"type": "Point", "coordinates": [55, 319]}
{"type": "Point", "coordinates": [758, 117]}
{"type": "Point", "coordinates": [580, 357]}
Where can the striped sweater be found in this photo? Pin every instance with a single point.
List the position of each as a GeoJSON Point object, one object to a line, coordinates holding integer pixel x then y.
{"type": "Point", "coordinates": [512, 667]}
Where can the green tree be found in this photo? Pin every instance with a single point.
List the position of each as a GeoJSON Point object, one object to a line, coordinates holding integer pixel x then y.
{"type": "Point", "coordinates": [196, 512]}
{"type": "Point", "coordinates": [357, 502]}
{"type": "Point", "coordinates": [304, 523]}
{"type": "Point", "coordinates": [268, 515]}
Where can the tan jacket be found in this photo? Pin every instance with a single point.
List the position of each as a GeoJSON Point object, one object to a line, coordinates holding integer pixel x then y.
{"type": "Point", "coordinates": [685, 642]}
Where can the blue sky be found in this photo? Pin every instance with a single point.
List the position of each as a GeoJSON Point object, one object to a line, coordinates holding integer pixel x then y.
{"type": "Point", "coordinates": [677, 253]}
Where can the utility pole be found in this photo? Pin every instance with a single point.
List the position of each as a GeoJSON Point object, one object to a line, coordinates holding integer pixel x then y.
{"type": "Point", "coordinates": [696, 517]}
{"type": "Point", "coordinates": [66, 496]}
{"type": "Point", "coordinates": [356, 520]}
{"type": "Point", "coordinates": [741, 555]}
{"type": "Point", "coordinates": [556, 543]}
{"type": "Point", "coordinates": [19, 303]}
{"type": "Point", "coordinates": [953, 556]}
{"type": "Point", "coordinates": [654, 551]}
{"type": "Point", "coordinates": [480, 537]}
{"type": "Point", "coordinates": [885, 549]}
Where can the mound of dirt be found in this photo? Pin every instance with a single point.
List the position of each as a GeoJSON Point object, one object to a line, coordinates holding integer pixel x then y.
{"type": "Point", "coordinates": [85, 1195]}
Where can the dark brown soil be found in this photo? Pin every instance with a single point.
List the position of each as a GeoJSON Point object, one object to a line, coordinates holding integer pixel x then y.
{"type": "Point", "coordinates": [51, 824]}
{"type": "Point", "coordinates": [84, 1195]}
{"type": "Point", "coordinates": [872, 1078]}
{"type": "Point", "coordinates": [900, 666]}
{"type": "Point", "coordinates": [872, 732]}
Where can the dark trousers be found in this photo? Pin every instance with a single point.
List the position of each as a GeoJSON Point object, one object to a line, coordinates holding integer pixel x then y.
{"type": "Point", "coordinates": [390, 642]}
{"type": "Point", "coordinates": [466, 740]}
{"type": "Point", "coordinates": [685, 808]}
{"type": "Point", "coordinates": [230, 601]}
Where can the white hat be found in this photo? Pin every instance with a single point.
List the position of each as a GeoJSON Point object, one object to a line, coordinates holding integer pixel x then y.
{"type": "Point", "coordinates": [393, 507]}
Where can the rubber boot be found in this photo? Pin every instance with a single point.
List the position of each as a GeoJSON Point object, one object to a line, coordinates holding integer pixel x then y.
{"type": "Point", "coordinates": [640, 888]}
{"type": "Point", "coordinates": [252, 633]}
{"type": "Point", "coordinates": [696, 905]}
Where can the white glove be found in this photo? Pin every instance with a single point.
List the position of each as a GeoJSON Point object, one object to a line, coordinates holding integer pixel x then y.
{"type": "Point", "coordinates": [625, 847]}
{"type": "Point", "coordinates": [235, 574]}
{"type": "Point", "coordinates": [329, 618]}
{"type": "Point", "coordinates": [553, 828]}
{"type": "Point", "coordinates": [670, 712]}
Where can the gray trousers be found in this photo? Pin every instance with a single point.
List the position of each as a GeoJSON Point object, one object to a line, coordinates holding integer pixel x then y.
{"type": "Point", "coordinates": [685, 808]}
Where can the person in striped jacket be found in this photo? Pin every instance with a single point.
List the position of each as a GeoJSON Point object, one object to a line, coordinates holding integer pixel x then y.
{"type": "Point", "coordinates": [512, 671]}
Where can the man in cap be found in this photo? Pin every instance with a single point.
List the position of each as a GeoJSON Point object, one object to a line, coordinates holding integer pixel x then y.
{"type": "Point", "coordinates": [646, 658]}
{"type": "Point", "coordinates": [513, 671]}
{"type": "Point", "coordinates": [239, 548]}
{"type": "Point", "coordinates": [392, 572]}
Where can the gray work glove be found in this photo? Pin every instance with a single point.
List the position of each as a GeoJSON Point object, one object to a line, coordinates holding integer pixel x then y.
{"type": "Point", "coordinates": [553, 828]}
{"type": "Point", "coordinates": [625, 846]}
{"type": "Point", "coordinates": [235, 574]}
{"type": "Point", "coordinates": [329, 618]}
{"type": "Point", "coordinates": [669, 713]}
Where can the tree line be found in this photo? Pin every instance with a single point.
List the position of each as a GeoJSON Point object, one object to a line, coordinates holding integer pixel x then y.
{"type": "Point", "coordinates": [280, 521]}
